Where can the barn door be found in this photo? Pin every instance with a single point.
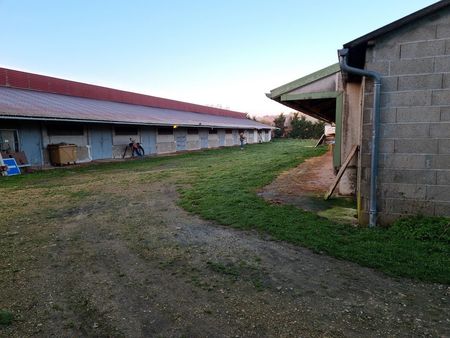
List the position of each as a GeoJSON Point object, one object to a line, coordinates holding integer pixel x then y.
{"type": "Point", "coordinates": [31, 144]}
{"type": "Point", "coordinates": [101, 142]}
{"type": "Point", "coordinates": [180, 139]}
{"type": "Point", "coordinates": [203, 138]}
{"type": "Point", "coordinates": [148, 140]}
{"type": "Point", "coordinates": [221, 138]}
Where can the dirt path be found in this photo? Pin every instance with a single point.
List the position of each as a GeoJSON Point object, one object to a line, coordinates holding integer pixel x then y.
{"type": "Point", "coordinates": [133, 264]}
{"type": "Point", "coordinates": [314, 176]}
{"type": "Point", "coordinates": [304, 187]}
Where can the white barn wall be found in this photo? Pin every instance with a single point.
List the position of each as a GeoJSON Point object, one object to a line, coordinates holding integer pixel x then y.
{"type": "Point", "coordinates": [81, 141]}
{"type": "Point", "coordinates": [213, 140]}
{"type": "Point", "coordinates": [193, 141]}
{"type": "Point", "coordinates": [229, 139]}
{"type": "Point", "coordinates": [120, 142]}
{"type": "Point", "coordinates": [153, 142]}
{"type": "Point", "coordinates": [165, 144]}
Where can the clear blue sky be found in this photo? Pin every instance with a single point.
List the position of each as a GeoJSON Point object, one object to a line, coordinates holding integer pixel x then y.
{"type": "Point", "coordinates": [212, 52]}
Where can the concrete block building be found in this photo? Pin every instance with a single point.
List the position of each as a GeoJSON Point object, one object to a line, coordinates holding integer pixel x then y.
{"type": "Point", "coordinates": [37, 111]}
{"type": "Point", "coordinates": [391, 98]}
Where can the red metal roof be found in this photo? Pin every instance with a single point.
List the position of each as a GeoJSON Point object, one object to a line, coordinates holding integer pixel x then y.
{"type": "Point", "coordinates": [23, 80]}
{"type": "Point", "coordinates": [22, 104]}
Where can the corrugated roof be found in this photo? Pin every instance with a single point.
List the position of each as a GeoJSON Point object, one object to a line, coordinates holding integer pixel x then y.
{"type": "Point", "coordinates": [23, 80]}
{"type": "Point", "coordinates": [29, 104]}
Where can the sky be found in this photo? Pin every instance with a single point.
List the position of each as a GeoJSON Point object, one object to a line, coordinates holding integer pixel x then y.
{"type": "Point", "coordinates": [222, 53]}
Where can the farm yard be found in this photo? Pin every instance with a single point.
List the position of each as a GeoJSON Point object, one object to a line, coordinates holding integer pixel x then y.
{"type": "Point", "coordinates": [183, 246]}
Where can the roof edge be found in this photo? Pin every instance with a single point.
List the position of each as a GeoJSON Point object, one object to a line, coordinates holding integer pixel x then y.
{"type": "Point", "coordinates": [30, 81]}
{"type": "Point", "coordinates": [185, 125]}
{"type": "Point", "coordinates": [320, 74]}
{"type": "Point", "coordinates": [398, 23]}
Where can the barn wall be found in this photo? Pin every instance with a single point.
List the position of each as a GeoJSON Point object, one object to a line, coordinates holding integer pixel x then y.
{"type": "Point", "coordinates": [414, 159]}
{"type": "Point", "coordinates": [229, 138]}
{"type": "Point", "coordinates": [193, 141]}
{"type": "Point", "coordinates": [351, 124]}
{"type": "Point", "coordinates": [120, 143]}
{"type": "Point", "coordinates": [30, 140]}
{"type": "Point", "coordinates": [213, 140]}
{"type": "Point", "coordinates": [81, 141]}
{"type": "Point", "coordinates": [102, 142]}
{"type": "Point", "coordinates": [165, 144]}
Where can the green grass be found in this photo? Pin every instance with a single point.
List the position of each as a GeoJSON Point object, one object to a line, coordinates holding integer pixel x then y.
{"type": "Point", "coordinates": [6, 317]}
{"type": "Point", "coordinates": [221, 185]}
{"type": "Point", "coordinates": [226, 269]}
{"type": "Point", "coordinates": [225, 192]}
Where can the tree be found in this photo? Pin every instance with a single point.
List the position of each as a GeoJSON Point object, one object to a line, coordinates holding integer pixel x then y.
{"type": "Point", "coordinates": [301, 128]}
{"type": "Point", "coordinates": [297, 126]}
{"type": "Point", "coordinates": [279, 124]}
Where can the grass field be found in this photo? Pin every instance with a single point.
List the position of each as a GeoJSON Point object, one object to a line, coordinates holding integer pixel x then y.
{"type": "Point", "coordinates": [221, 185]}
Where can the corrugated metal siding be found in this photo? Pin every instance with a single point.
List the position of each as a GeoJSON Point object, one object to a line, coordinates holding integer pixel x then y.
{"type": "Point", "coordinates": [33, 104]}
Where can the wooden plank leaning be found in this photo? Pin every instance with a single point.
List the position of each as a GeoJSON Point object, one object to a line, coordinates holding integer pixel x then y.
{"type": "Point", "coordinates": [321, 140]}
{"type": "Point", "coordinates": [341, 172]}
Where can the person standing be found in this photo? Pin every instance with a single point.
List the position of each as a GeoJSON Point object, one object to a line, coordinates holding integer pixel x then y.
{"type": "Point", "coordinates": [242, 139]}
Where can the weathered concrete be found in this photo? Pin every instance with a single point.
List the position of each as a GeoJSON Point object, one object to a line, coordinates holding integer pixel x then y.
{"type": "Point", "coordinates": [414, 159]}
{"type": "Point", "coordinates": [420, 82]}
{"type": "Point", "coordinates": [418, 114]}
{"type": "Point", "coordinates": [422, 49]}
{"type": "Point", "coordinates": [351, 117]}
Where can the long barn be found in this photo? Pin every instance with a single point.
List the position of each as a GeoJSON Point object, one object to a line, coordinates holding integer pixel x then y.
{"type": "Point", "coordinates": [37, 111]}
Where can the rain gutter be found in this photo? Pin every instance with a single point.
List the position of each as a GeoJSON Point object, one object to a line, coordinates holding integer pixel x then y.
{"type": "Point", "coordinates": [343, 53]}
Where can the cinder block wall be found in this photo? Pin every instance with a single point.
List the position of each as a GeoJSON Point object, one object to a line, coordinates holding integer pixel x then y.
{"type": "Point", "coordinates": [414, 176]}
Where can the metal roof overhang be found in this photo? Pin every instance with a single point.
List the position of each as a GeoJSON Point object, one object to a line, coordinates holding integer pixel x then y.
{"type": "Point", "coordinates": [321, 105]}
{"type": "Point", "coordinates": [320, 108]}
{"type": "Point", "coordinates": [19, 104]}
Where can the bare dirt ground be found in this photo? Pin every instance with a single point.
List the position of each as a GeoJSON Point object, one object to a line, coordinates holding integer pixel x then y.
{"type": "Point", "coordinates": [304, 187]}
{"type": "Point", "coordinates": [312, 177]}
{"type": "Point", "coordinates": [119, 259]}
